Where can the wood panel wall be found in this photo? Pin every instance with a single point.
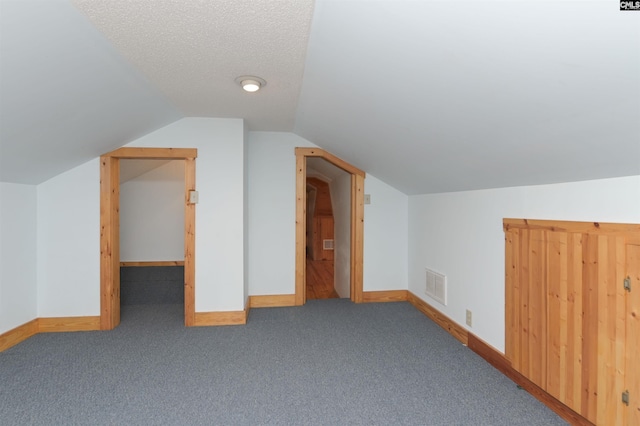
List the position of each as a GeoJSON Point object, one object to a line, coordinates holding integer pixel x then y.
{"type": "Point", "coordinates": [571, 327]}
{"type": "Point", "coordinates": [321, 221]}
{"type": "Point", "coordinates": [323, 197]}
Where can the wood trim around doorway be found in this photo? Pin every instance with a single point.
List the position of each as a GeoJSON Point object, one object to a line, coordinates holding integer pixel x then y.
{"type": "Point", "coordinates": [357, 221]}
{"type": "Point", "coordinates": [110, 229]}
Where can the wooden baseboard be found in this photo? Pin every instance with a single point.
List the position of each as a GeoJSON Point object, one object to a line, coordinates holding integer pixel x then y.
{"type": "Point", "coordinates": [221, 318]}
{"type": "Point", "coordinates": [272, 301]}
{"type": "Point", "coordinates": [63, 324]}
{"type": "Point", "coordinates": [502, 364]}
{"type": "Point", "coordinates": [384, 296]}
{"type": "Point", "coordinates": [487, 352]}
{"type": "Point", "coordinates": [90, 323]}
{"type": "Point", "coordinates": [151, 263]}
{"type": "Point", "coordinates": [443, 321]}
{"type": "Point", "coordinates": [497, 360]}
{"type": "Point", "coordinates": [18, 334]}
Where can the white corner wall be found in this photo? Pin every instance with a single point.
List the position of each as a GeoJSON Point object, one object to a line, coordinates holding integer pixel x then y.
{"type": "Point", "coordinates": [152, 215]}
{"type": "Point", "coordinates": [69, 243]}
{"type": "Point", "coordinates": [460, 235]}
{"type": "Point", "coordinates": [386, 236]}
{"type": "Point", "coordinates": [18, 239]}
{"type": "Point", "coordinates": [272, 221]}
{"type": "Point", "coordinates": [220, 211]}
{"type": "Point", "coordinates": [245, 216]}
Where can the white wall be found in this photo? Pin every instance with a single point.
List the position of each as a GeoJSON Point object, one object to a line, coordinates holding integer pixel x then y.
{"type": "Point", "coordinates": [18, 238]}
{"type": "Point", "coordinates": [272, 221]}
{"type": "Point", "coordinates": [460, 234]}
{"type": "Point", "coordinates": [272, 218]}
{"type": "Point", "coordinates": [152, 215]}
{"type": "Point", "coordinates": [220, 211]}
{"type": "Point", "coordinates": [385, 237]}
{"type": "Point", "coordinates": [245, 219]}
{"type": "Point", "coordinates": [69, 223]}
{"type": "Point", "coordinates": [341, 203]}
{"type": "Point", "coordinates": [69, 243]}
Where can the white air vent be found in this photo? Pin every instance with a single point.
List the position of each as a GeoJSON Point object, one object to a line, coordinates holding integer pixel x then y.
{"type": "Point", "coordinates": [437, 286]}
{"type": "Point", "coordinates": [327, 244]}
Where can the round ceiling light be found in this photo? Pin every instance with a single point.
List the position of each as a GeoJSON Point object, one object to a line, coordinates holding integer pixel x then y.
{"type": "Point", "coordinates": [251, 83]}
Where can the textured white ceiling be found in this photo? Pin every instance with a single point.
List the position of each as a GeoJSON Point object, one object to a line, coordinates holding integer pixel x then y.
{"type": "Point", "coordinates": [194, 50]}
{"type": "Point", "coordinates": [429, 96]}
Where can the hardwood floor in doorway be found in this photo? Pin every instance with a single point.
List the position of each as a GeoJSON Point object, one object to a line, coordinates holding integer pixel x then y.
{"type": "Point", "coordinates": [320, 280]}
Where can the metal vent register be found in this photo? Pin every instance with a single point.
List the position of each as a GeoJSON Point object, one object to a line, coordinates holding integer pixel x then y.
{"type": "Point", "coordinates": [327, 244]}
{"type": "Point", "coordinates": [437, 286]}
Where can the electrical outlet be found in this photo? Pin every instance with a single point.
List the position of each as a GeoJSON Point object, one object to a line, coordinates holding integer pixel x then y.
{"type": "Point", "coordinates": [469, 320]}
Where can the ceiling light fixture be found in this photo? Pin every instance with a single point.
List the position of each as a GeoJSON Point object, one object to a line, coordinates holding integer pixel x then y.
{"type": "Point", "coordinates": [251, 83]}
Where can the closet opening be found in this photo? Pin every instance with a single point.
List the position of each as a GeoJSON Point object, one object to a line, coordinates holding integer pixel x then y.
{"type": "Point", "coordinates": [151, 239]}
{"type": "Point", "coordinates": [112, 194]}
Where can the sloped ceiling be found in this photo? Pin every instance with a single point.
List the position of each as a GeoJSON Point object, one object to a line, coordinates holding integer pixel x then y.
{"type": "Point", "coordinates": [132, 168]}
{"type": "Point", "coordinates": [321, 168]}
{"type": "Point", "coordinates": [429, 96]}
{"type": "Point", "coordinates": [441, 96]}
{"type": "Point", "coordinates": [66, 95]}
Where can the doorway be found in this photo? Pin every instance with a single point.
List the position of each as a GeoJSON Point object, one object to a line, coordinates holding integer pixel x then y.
{"type": "Point", "coordinates": [356, 201]}
{"type": "Point", "coordinates": [152, 235]}
{"type": "Point", "coordinates": [328, 231]}
{"type": "Point", "coordinates": [110, 229]}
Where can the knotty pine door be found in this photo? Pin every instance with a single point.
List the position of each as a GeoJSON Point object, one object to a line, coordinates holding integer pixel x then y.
{"type": "Point", "coordinates": [571, 327]}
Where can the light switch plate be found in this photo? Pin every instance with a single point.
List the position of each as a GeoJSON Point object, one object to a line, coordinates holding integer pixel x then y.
{"type": "Point", "coordinates": [193, 197]}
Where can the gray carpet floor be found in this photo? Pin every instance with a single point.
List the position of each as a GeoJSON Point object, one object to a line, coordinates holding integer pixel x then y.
{"type": "Point", "coordinates": [329, 362]}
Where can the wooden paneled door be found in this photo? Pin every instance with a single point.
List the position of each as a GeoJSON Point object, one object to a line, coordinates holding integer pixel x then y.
{"type": "Point", "coordinates": [571, 326]}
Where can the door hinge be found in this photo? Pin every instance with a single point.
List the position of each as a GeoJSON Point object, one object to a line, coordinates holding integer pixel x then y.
{"type": "Point", "coordinates": [627, 283]}
{"type": "Point", "coordinates": [625, 397]}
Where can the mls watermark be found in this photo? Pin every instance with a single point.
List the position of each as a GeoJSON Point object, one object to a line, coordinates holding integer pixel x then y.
{"type": "Point", "coordinates": [629, 5]}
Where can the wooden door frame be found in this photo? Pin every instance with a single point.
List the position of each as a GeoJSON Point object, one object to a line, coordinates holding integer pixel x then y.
{"type": "Point", "coordinates": [357, 221]}
{"type": "Point", "coordinates": [110, 228]}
